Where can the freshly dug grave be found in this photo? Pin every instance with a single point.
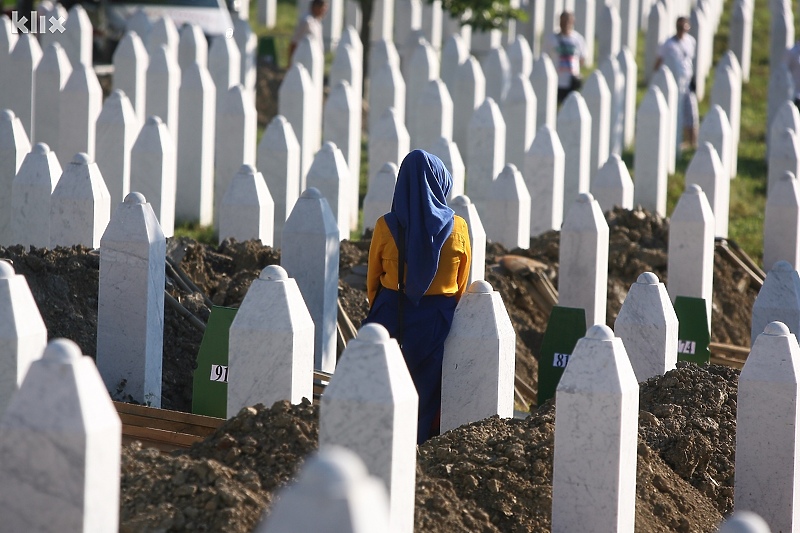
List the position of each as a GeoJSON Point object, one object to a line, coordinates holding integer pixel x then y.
{"type": "Point", "coordinates": [490, 476]}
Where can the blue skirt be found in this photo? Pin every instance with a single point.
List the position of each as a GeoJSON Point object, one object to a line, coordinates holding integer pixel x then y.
{"type": "Point", "coordinates": [425, 328]}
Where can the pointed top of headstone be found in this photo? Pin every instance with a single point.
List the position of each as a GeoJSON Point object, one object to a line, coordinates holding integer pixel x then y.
{"type": "Point", "coordinates": [350, 36]}
{"type": "Point", "coordinates": [274, 273]}
{"type": "Point", "coordinates": [520, 56]}
{"type": "Point", "coordinates": [381, 53]}
{"type": "Point", "coordinates": [744, 521]}
{"type": "Point", "coordinates": [454, 53]}
{"type": "Point", "coordinates": [546, 143]}
{"type": "Point", "coordinates": [311, 193]}
{"type": "Point", "coordinates": [27, 49]}
{"type": "Point", "coordinates": [139, 23]}
{"type": "Point", "coordinates": [163, 33]}
{"type": "Point", "coordinates": [192, 46]}
{"type": "Point", "coordinates": [135, 198]}
{"type": "Point", "coordinates": [461, 200]}
{"type": "Point", "coordinates": [487, 115]}
{"type": "Point", "coordinates": [785, 191]}
{"type": "Point", "coordinates": [6, 270]}
{"type": "Point", "coordinates": [574, 109]}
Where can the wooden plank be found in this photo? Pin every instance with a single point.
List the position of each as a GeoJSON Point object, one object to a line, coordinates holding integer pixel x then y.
{"type": "Point", "coordinates": [159, 435]}
{"type": "Point", "coordinates": [166, 425]}
{"type": "Point", "coordinates": [166, 414]}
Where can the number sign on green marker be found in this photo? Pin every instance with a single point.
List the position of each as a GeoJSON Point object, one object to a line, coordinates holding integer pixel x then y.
{"type": "Point", "coordinates": [566, 326]}
{"type": "Point", "coordinates": [210, 392]}
{"type": "Point", "coordinates": [693, 334]}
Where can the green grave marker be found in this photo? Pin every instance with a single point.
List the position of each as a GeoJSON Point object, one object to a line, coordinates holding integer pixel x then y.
{"type": "Point", "coordinates": [210, 391]}
{"type": "Point", "coordinates": [566, 326]}
{"type": "Point", "coordinates": [267, 51]}
{"type": "Point", "coordinates": [693, 333]}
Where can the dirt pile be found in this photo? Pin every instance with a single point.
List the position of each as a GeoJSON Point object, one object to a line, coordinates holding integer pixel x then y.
{"type": "Point", "coordinates": [490, 476]}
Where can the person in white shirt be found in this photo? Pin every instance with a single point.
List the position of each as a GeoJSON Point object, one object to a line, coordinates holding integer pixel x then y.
{"type": "Point", "coordinates": [310, 24]}
{"type": "Point", "coordinates": [793, 62]}
{"type": "Point", "coordinates": [677, 53]}
{"type": "Point", "coordinates": [567, 48]}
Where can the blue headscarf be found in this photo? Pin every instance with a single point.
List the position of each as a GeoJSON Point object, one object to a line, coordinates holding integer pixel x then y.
{"type": "Point", "coordinates": [419, 210]}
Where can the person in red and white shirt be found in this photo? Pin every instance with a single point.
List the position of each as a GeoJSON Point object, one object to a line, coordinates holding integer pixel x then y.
{"type": "Point", "coordinates": [567, 49]}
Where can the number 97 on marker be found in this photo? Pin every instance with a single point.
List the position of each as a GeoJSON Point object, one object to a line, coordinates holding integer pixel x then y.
{"type": "Point", "coordinates": [219, 373]}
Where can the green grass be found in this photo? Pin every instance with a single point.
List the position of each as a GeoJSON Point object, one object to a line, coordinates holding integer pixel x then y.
{"type": "Point", "coordinates": [203, 234]}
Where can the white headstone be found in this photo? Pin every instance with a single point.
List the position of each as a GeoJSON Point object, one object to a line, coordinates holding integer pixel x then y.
{"type": "Point", "coordinates": [740, 36]}
{"type": "Point", "coordinates": [497, 70]}
{"type": "Point", "coordinates": [387, 89]}
{"type": "Point", "coordinates": [224, 65]}
{"type": "Point", "coordinates": [340, 126]}
{"type": "Point", "coordinates": [648, 326]}
{"type": "Point", "coordinates": [508, 210]}
{"type": "Point", "coordinates": [454, 53]}
{"type": "Point", "coordinates": [782, 222]}
{"type": "Point", "coordinates": [469, 92]}
{"type": "Point", "coordinates": [139, 23]}
{"type": "Point", "coordinates": [650, 160]}
{"type": "Point", "coordinates": [434, 115]}
{"type": "Point", "coordinates": [247, 211]}
{"type": "Point", "coordinates": [450, 155]}
{"type": "Point", "coordinates": [23, 331]}
{"type": "Point", "coordinates": [163, 89]}
{"type": "Point", "coordinates": [310, 254]}
{"type": "Point", "coordinates": [8, 39]}
{"type": "Point", "coordinates": [309, 53]}
{"type": "Point", "coordinates": [79, 106]}
{"type": "Point", "coordinates": [153, 171]}
{"type": "Point", "coordinates": [51, 76]}
{"type": "Point", "coordinates": [659, 29]}
{"type": "Point", "coordinates": [781, 89]}
{"type": "Point", "coordinates": [519, 113]}
{"type": "Point", "coordinates": [23, 61]}
{"type": "Point", "coordinates": [432, 23]}
{"type": "Point", "coordinates": [247, 42]}
{"type": "Point", "coordinates": [609, 38]}
{"type": "Point", "coordinates": [330, 175]}
{"type": "Point", "coordinates": [767, 421]}
{"type": "Point", "coordinates": [267, 14]}
{"type": "Point", "coordinates": [597, 408]}
{"type": "Point", "coordinates": [585, 24]}
{"type": "Point", "coordinates": [130, 71]}
{"type": "Point", "coordinates": [380, 194]}
{"type": "Point", "coordinates": [544, 80]}
{"type": "Point", "coordinates": [14, 145]}
{"type": "Point", "coordinates": [665, 81]}
{"type": "Point", "coordinates": [423, 67]}
{"type": "Point", "coordinates": [616, 87]}
{"type": "Point", "coordinates": [333, 492]}
{"type": "Point", "coordinates": [193, 46]}
{"type": "Point", "coordinates": [583, 259]}
{"type": "Point", "coordinates": [520, 57]}
{"type": "Point", "coordinates": [279, 163]}
{"type": "Point", "coordinates": [382, 52]}
{"type": "Point", "coordinates": [629, 17]}
{"type": "Point", "coordinates": [347, 66]}
{"type": "Point", "coordinates": [574, 127]}
{"type": "Point", "coordinates": [706, 170]}
{"type": "Point", "coordinates": [744, 522]}
{"type": "Point", "coordinates": [487, 150]}
{"type": "Point", "coordinates": [117, 129]}
{"type": "Point", "coordinates": [479, 359]}
{"type": "Point", "coordinates": [627, 65]}
{"type": "Point", "coordinates": [370, 407]}
{"type": "Point", "coordinates": [690, 257]}
{"type": "Point", "coordinates": [294, 103]}
{"type": "Point", "coordinates": [598, 100]}
{"type": "Point", "coordinates": [237, 124]}
{"type": "Point", "coordinates": [194, 199]}
{"type": "Point", "coordinates": [612, 185]}
{"type": "Point", "coordinates": [388, 142]}
{"type": "Point", "coordinates": [52, 477]}
{"type": "Point", "coordinates": [784, 156]}
{"type": "Point", "coordinates": [30, 197]}
{"type": "Point", "coordinates": [544, 176]}
{"type": "Point", "coordinates": [407, 18]}
{"type": "Point", "coordinates": [727, 94]}
{"type": "Point", "coordinates": [463, 207]}
{"type": "Point", "coordinates": [164, 33]}
{"type": "Point", "coordinates": [130, 316]}
{"type": "Point", "coordinates": [778, 299]}
{"type": "Point", "coordinates": [78, 36]}
{"type": "Point", "coordinates": [382, 20]}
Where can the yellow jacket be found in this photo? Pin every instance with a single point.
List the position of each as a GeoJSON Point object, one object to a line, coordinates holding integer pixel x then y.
{"type": "Point", "coordinates": [454, 262]}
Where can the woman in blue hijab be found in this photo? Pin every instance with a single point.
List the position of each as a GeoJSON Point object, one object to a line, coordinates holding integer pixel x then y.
{"type": "Point", "coordinates": [434, 243]}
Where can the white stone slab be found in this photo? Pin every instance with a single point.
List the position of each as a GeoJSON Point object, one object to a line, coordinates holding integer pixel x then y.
{"type": "Point", "coordinates": [629, 17]}
{"type": "Point", "coordinates": [30, 197]}
{"type": "Point", "coordinates": [435, 114]}
{"type": "Point", "coordinates": [139, 23]}
{"type": "Point", "coordinates": [497, 70]}
{"type": "Point", "coordinates": [727, 94]}
{"type": "Point", "coordinates": [716, 129]}
{"type": "Point", "coordinates": [486, 154]}
{"type": "Point", "coordinates": [612, 185]}
{"type": "Point", "coordinates": [380, 194]}
{"type": "Point", "coordinates": [192, 47]}
{"type": "Point", "coordinates": [294, 103]}
{"type": "Point", "coordinates": [194, 199]}
{"type": "Point", "coordinates": [224, 65]}
{"type": "Point", "coordinates": [650, 159]}
{"type": "Point", "coordinates": [574, 127]}
{"type": "Point", "coordinates": [597, 410]}
{"type": "Point", "coordinates": [117, 129]}
{"type": "Point", "coordinates": [407, 18]}
{"type": "Point", "coordinates": [330, 175]}
{"type": "Point", "coordinates": [778, 299]}
{"type": "Point", "coordinates": [648, 326]}
{"type": "Point", "coordinates": [508, 210]}
{"type": "Point", "coordinates": [744, 522]}
{"type": "Point", "coordinates": [463, 207]}
{"type": "Point", "coordinates": [544, 80]}
{"type": "Point", "coordinates": [163, 86]}
{"type": "Point", "coordinates": [78, 36]}
{"type": "Point", "coordinates": [247, 211]}
{"type": "Point", "coordinates": [552, 11]}
{"type": "Point", "coordinates": [279, 163]}
{"type": "Point", "coordinates": [267, 14]}
{"type": "Point", "coordinates": [454, 53]}
{"type": "Point", "coordinates": [544, 176]}
{"type": "Point", "coordinates": [520, 57]}
{"type": "Point", "coordinates": [423, 67]}
{"type": "Point", "coordinates": [659, 28]}
{"type": "Point", "coordinates": [609, 38]}
{"type": "Point", "coordinates": [627, 65]}
{"type": "Point", "coordinates": [79, 106]}
{"type": "Point", "coordinates": [247, 42]}
{"type": "Point", "coordinates": [519, 113]}
{"type": "Point", "coordinates": [7, 41]}
{"type": "Point", "coordinates": [61, 441]}
{"type": "Point", "coordinates": [235, 143]}
{"type": "Point", "coordinates": [740, 36]}
{"type": "Point", "coordinates": [780, 89]}
{"type": "Point", "coordinates": [382, 19]}
{"type": "Point", "coordinates": [690, 257]}
{"type": "Point", "coordinates": [130, 316]}
{"type": "Point", "coordinates": [388, 142]}
{"type": "Point", "coordinates": [784, 156]}
{"type": "Point", "coordinates": [665, 81]}
{"type": "Point", "coordinates": [22, 330]}
{"type": "Point", "coordinates": [382, 52]}
{"type": "Point", "coordinates": [271, 344]}
{"type": "Point", "coordinates": [615, 80]}
{"type": "Point", "coordinates": [130, 71]}
{"type": "Point", "coordinates": [310, 254]}
{"type": "Point", "coordinates": [14, 145]}
{"type": "Point", "coordinates": [309, 53]}
{"type": "Point", "coordinates": [51, 76]}
{"type": "Point", "coordinates": [347, 66]}
{"type": "Point", "coordinates": [482, 42]}
{"type": "Point", "coordinates": [432, 23]}
{"type": "Point", "coordinates": [153, 171]}
{"type": "Point", "coordinates": [448, 152]}
{"type": "Point", "coordinates": [782, 223]}
{"type": "Point", "coordinates": [767, 420]}
{"type": "Point", "coordinates": [702, 30]}
{"type": "Point", "coordinates": [597, 96]}
{"type": "Point", "coordinates": [479, 360]}
{"type": "Point", "coordinates": [706, 170]}
{"type": "Point", "coordinates": [468, 94]}
{"type": "Point", "coordinates": [787, 116]}
{"type": "Point", "coordinates": [340, 126]}
{"type": "Point", "coordinates": [535, 28]}
{"type": "Point", "coordinates": [387, 89]}
{"type": "Point", "coordinates": [23, 61]}
{"type": "Point", "coordinates": [586, 24]}
{"type": "Point", "coordinates": [370, 407]}
{"type": "Point", "coordinates": [333, 492]}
